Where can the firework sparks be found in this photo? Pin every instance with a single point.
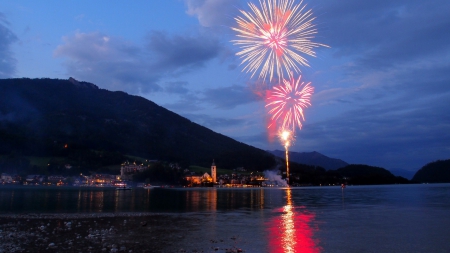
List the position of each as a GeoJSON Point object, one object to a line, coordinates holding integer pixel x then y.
{"type": "Point", "coordinates": [286, 138]}
{"type": "Point", "coordinates": [275, 38]}
{"type": "Point", "coordinates": [286, 102]}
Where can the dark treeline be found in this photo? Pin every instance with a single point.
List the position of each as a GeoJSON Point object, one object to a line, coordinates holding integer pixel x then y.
{"type": "Point", "coordinates": [73, 163]}
{"type": "Point", "coordinates": [435, 172]}
{"type": "Point", "coordinates": [160, 173]}
{"type": "Point", "coordinates": [351, 174]}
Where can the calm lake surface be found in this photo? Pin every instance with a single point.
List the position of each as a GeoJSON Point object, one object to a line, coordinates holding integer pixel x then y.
{"type": "Point", "coordinates": [394, 218]}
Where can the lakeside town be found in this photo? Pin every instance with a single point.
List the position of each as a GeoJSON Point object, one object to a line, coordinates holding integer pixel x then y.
{"type": "Point", "coordinates": [238, 178]}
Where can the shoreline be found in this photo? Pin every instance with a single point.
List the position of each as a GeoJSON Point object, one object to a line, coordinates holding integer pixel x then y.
{"type": "Point", "coordinates": [87, 232]}
{"type": "Point", "coordinates": [34, 215]}
{"type": "Point", "coordinates": [109, 232]}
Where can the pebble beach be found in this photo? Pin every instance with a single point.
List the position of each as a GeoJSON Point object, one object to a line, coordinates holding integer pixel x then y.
{"type": "Point", "coordinates": [113, 232]}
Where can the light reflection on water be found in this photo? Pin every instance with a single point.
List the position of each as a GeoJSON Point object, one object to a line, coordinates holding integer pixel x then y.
{"type": "Point", "coordinates": [64, 199]}
{"type": "Point", "coordinates": [291, 231]}
{"type": "Point", "coordinates": [73, 200]}
{"type": "Point", "coordinates": [409, 218]}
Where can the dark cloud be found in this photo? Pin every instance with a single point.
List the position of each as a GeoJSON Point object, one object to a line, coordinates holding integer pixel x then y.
{"type": "Point", "coordinates": [396, 118]}
{"type": "Point", "coordinates": [176, 87]}
{"type": "Point", "coordinates": [182, 53]}
{"type": "Point", "coordinates": [385, 33]}
{"type": "Point", "coordinates": [401, 121]}
{"type": "Point", "coordinates": [7, 38]}
{"type": "Point", "coordinates": [389, 134]}
{"type": "Point", "coordinates": [116, 64]}
{"type": "Point", "coordinates": [109, 62]}
{"type": "Point", "coordinates": [187, 103]}
{"type": "Point", "coordinates": [229, 97]}
{"type": "Point", "coordinates": [423, 42]}
{"type": "Point", "coordinates": [224, 98]}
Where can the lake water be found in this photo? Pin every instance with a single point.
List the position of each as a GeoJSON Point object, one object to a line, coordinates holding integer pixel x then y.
{"type": "Point", "coordinates": [394, 218]}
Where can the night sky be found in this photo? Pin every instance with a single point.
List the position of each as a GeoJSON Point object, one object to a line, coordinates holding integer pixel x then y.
{"type": "Point", "coordinates": [382, 89]}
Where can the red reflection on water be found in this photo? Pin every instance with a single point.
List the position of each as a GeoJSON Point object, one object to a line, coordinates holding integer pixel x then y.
{"type": "Point", "coordinates": [291, 232]}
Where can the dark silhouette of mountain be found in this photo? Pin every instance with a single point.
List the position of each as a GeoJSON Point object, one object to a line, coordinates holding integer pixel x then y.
{"type": "Point", "coordinates": [312, 158]}
{"type": "Point", "coordinates": [435, 172]}
{"type": "Point", "coordinates": [408, 174]}
{"type": "Point", "coordinates": [359, 174]}
{"type": "Point", "coordinates": [51, 117]}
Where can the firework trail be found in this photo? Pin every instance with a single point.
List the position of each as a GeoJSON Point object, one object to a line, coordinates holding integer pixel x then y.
{"type": "Point", "coordinates": [275, 38]}
{"type": "Point", "coordinates": [286, 101]}
{"type": "Point", "coordinates": [286, 137]}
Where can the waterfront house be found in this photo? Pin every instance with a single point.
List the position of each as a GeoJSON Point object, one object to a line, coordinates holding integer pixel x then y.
{"type": "Point", "coordinates": [34, 179]}
{"type": "Point", "coordinates": [101, 179]}
{"type": "Point", "coordinates": [127, 169]}
{"type": "Point", "coordinates": [196, 180]}
{"type": "Point", "coordinates": [6, 178]}
{"type": "Point", "coordinates": [57, 180]}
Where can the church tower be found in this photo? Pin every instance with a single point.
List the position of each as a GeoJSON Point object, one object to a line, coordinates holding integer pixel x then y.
{"type": "Point", "coordinates": [214, 172]}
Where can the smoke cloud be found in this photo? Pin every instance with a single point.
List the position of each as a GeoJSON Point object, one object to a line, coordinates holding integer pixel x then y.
{"type": "Point", "coordinates": [274, 178]}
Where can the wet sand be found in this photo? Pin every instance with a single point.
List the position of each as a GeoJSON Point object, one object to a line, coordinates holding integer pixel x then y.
{"type": "Point", "coordinates": [123, 232]}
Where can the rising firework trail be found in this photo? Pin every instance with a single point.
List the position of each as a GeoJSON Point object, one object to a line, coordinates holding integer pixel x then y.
{"type": "Point", "coordinates": [275, 38]}
{"type": "Point", "coordinates": [286, 101]}
{"type": "Point", "coordinates": [286, 138]}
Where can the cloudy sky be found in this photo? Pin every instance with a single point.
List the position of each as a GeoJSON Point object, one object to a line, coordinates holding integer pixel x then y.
{"type": "Point", "coordinates": [382, 89]}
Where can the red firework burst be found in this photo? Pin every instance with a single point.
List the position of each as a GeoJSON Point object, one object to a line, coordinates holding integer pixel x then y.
{"type": "Point", "coordinates": [286, 102]}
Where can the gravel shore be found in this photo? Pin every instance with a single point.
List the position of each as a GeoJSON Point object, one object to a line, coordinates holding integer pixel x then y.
{"type": "Point", "coordinates": [125, 232]}
{"type": "Point", "coordinates": [89, 233]}
{"type": "Point", "coordinates": [106, 232]}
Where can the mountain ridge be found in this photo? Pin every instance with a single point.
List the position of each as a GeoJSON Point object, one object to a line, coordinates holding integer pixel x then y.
{"type": "Point", "coordinates": [313, 158]}
{"type": "Point", "coordinates": [42, 116]}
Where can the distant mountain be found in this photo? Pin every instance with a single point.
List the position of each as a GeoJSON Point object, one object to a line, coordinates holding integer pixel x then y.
{"type": "Point", "coordinates": [435, 172]}
{"type": "Point", "coordinates": [312, 158]}
{"type": "Point", "coordinates": [408, 174]}
{"type": "Point", "coordinates": [359, 174]}
{"type": "Point", "coordinates": [61, 118]}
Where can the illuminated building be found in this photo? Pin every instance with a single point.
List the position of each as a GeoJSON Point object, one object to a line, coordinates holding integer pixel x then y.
{"type": "Point", "coordinates": [131, 168]}
{"type": "Point", "coordinates": [214, 172]}
{"type": "Point", "coordinates": [56, 180]}
{"type": "Point", "coordinates": [101, 179]}
{"type": "Point", "coordinates": [196, 180]}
